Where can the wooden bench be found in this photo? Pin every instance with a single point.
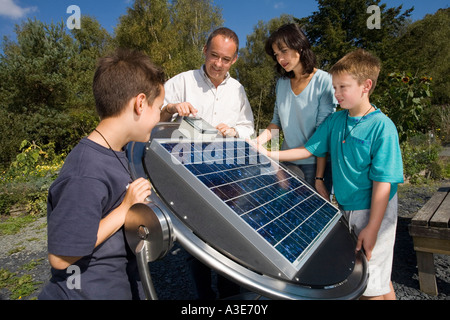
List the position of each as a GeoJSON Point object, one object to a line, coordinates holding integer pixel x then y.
{"type": "Point", "coordinates": [431, 234]}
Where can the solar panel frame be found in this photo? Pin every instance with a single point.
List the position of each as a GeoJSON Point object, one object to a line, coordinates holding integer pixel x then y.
{"type": "Point", "coordinates": [288, 268]}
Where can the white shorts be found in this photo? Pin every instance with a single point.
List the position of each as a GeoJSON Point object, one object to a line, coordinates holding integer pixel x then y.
{"type": "Point", "coordinates": [380, 264]}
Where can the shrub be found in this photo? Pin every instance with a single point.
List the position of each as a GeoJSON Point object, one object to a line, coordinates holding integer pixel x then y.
{"type": "Point", "coordinates": [28, 178]}
{"type": "Point", "coordinates": [404, 101]}
{"type": "Point", "coordinates": [34, 162]}
{"type": "Point", "coordinates": [421, 158]}
{"type": "Point", "coordinates": [441, 116]}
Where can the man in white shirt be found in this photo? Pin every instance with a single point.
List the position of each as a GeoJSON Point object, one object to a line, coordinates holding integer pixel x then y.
{"type": "Point", "coordinates": [210, 92]}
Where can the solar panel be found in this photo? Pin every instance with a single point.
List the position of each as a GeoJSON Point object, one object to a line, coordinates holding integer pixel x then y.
{"type": "Point", "coordinates": [280, 217]}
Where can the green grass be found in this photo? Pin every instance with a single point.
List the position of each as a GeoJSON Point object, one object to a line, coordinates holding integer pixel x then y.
{"type": "Point", "coordinates": [13, 225]}
{"type": "Point", "coordinates": [19, 286]}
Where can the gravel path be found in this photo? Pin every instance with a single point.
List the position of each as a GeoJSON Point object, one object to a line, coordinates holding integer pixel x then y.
{"type": "Point", "coordinates": [171, 277]}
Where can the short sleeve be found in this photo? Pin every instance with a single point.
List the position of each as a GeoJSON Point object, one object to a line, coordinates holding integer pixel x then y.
{"type": "Point", "coordinates": [327, 101]}
{"type": "Point", "coordinates": [319, 143]}
{"type": "Point", "coordinates": [387, 164]}
{"type": "Point", "coordinates": [75, 208]}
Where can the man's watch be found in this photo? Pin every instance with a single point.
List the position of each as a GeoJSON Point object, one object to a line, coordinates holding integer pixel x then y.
{"type": "Point", "coordinates": [319, 178]}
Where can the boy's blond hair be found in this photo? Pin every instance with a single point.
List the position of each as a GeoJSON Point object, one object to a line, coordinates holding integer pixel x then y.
{"type": "Point", "coordinates": [361, 65]}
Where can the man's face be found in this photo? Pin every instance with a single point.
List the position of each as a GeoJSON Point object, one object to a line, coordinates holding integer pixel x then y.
{"type": "Point", "coordinates": [220, 56]}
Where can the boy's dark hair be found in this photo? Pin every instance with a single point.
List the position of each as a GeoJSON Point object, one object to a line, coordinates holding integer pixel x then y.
{"type": "Point", "coordinates": [361, 65]}
{"type": "Point", "coordinates": [122, 76]}
{"type": "Point", "coordinates": [293, 37]}
{"type": "Point", "coordinates": [225, 32]}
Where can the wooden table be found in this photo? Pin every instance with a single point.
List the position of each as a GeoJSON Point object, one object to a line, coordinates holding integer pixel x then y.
{"type": "Point", "coordinates": [430, 231]}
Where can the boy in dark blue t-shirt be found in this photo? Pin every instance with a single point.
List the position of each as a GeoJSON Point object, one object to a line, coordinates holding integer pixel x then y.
{"type": "Point", "coordinates": [88, 202]}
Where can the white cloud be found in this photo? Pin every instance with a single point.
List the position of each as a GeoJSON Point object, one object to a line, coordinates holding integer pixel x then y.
{"type": "Point", "coordinates": [11, 10]}
{"type": "Point", "coordinates": [277, 5]}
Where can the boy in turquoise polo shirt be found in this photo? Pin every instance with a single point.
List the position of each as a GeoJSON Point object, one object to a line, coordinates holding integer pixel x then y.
{"type": "Point", "coordinates": [366, 163]}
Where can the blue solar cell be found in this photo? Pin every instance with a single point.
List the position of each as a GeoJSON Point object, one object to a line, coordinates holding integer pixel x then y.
{"type": "Point", "coordinates": [277, 205]}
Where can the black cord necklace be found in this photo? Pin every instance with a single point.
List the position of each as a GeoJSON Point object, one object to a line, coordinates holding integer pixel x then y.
{"type": "Point", "coordinates": [114, 153]}
{"type": "Point", "coordinates": [357, 122]}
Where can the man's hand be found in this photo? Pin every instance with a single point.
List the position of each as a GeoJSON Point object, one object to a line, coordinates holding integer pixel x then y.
{"type": "Point", "coordinates": [183, 109]}
{"type": "Point", "coordinates": [226, 131]}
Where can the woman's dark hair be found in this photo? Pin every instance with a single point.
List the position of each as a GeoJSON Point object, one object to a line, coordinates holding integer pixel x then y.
{"type": "Point", "coordinates": [293, 37]}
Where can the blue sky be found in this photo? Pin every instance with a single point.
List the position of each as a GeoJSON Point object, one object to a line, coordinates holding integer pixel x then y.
{"type": "Point", "coordinates": [239, 15]}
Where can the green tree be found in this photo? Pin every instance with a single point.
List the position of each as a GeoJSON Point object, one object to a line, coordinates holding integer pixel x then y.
{"type": "Point", "coordinates": [33, 70]}
{"type": "Point", "coordinates": [193, 22]}
{"type": "Point", "coordinates": [146, 27]}
{"type": "Point", "coordinates": [34, 90]}
{"type": "Point", "coordinates": [424, 49]}
{"type": "Point", "coordinates": [92, 38]}
{"type": "Point", "coordinates": [172, 33]}
{"type": "Point", "coordinates": [340, 26]}
{"type": "Point", "coordinates": [13, 131]}
{"type": "Point", "coordinates": [46, 83]}
{"type": "Point", "coordinates": [92, 41]}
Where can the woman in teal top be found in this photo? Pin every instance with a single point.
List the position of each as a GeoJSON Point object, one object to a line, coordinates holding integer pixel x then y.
{"type": "Point", "coordinates": [305, 98]}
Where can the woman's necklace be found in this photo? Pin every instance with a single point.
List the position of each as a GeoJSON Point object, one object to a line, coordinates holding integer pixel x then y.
{"type": "Point", "coordinates": [114, 153]}
{"type": "Point", "coordinates": [357, 122]}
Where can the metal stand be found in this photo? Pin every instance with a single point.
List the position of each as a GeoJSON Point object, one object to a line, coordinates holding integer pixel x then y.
{"type": "Point", "coordinates": [142, 254]}
{"type": "Point", "coordinates": [152, 229]}
{"type": "Point", "coordinates": [149, 233]}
